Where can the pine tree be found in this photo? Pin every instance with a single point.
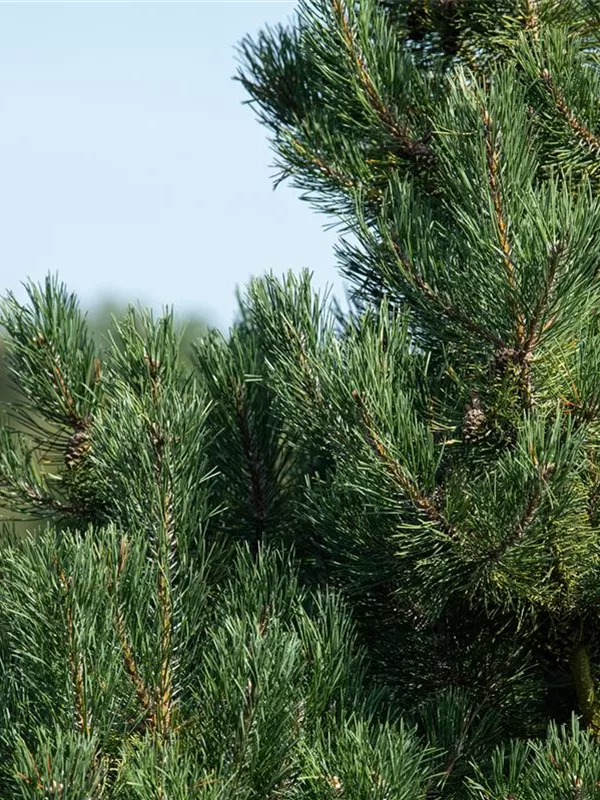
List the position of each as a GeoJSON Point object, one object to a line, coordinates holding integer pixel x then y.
{"type": "Point", "coordinates": [342, 555]}
{"type": "Point", "coordinates": [456, 144]}
{"type": "Point", "coordinates": [145, 651]}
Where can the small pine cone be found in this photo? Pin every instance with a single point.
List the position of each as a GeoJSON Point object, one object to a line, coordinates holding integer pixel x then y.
{"type": "Point", "coordinates": [474, 422]}
{"type": "Point", "coordinates": [503, 358]}
{"type": "Point", "coordinates": [438, 495]}
{"type": "Point", "coordinates": [77, 447]}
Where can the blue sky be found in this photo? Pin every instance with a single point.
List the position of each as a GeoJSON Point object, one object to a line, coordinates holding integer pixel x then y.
{"type": "Point", "coordinates": [128, 163]}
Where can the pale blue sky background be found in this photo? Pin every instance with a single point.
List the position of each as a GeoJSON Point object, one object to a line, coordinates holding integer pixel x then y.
{"type": "Point", "coordinates": [128, 163]}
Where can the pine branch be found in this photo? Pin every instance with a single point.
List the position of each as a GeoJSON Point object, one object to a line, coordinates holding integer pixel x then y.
{"type": "Point", "coordinates": [58, 380]}
{"type": "Point", "coordinates": [532, 21]}
{"type": "Point", "coordinates": [167, 566]}
{"type": "Point", "coordinates": [32, 495]}
{"type": "Point", "coordinates": [251, 457]}
{"type": "Point", "coordinates": [405, 145]}
{"type": "Point", "coordinates": [128, 655]}
{"type": "Point", "coordinates": [165, 696]}
{"type": "Point", "coordinates": [450, 312]}
{"type": "Point", "coordinates": [458, 747]}
{"type": "Point", "coordinates": [527, 517]}
{"type": "Point", "coordinates": [581, 131]}
{"type": "Point", "coordinates": [131, 668]}
{"type": "Point", "coordinates": [408, 486]}
{"type": "Point", "coordinates": [493, 165]}
{"type": "Point", "coordinates": [325, 169]}
{"type": "Point", "coordinates": [75, 660]}
{"type": "Point", "coordinates": [535, 329]}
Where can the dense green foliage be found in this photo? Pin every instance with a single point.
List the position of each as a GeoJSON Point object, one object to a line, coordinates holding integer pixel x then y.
{"type": "Point", "coordinates": [460, 406]}
{"type": "Point", "coordinates": [101, 320]}
{"type": "Point", "coordinates": [337, 555]}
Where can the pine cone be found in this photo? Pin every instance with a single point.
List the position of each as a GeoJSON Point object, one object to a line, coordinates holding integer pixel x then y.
{"type": "Point", "coordinates": [78, 445]}
{"type": "Point", "coordinates": [473, 428]}
{"type": "Point", "coordinates": [503, 359]}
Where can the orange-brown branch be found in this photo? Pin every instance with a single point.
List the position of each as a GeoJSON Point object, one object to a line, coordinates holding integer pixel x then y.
{"type": "Point", "coordinates": [58, 379]}
{"type": "Point", "coordinates": [75, 661]}
{"type": "Point", "coordinates": [164, 699]}
{"type": "Point", "coordinates": [141, 692]}
{"type": "Point", "coordinates": [406, 145]}
{"type": "Point", "coordinates": [582, 132]}
{"type": "Point", "coordinates": [419, 500]}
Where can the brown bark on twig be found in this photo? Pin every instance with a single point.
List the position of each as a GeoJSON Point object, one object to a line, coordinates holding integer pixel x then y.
{"type": "Point", "coordinates": [75, 661]}
{"type": "Point", "coordinates": [405, 145]}
{"type": "Point", "coordinates": [584, 134]}
{"type": "Point", "coordinates": [419, 500]}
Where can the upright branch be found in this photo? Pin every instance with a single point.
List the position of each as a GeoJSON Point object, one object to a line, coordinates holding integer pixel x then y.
{"type": "Point", "coordinates": [532, 21]}
{"type": "Point", "coordinates": [528, 515]}
{"type": "Point", "coordinates": [538, 324]}
{"type": "Point", "coordinates": [167, 564]}
{"type": "Point", "coordinates": [165, 699]}
{"type": "Point", "coordinates": [493, 166]}
{"type": "Point", "coordinates": [251, 457]}
{"type": "Point", "coordinates": [131, 668]}
{"type": "Point", "coordinates": [75, 660]}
